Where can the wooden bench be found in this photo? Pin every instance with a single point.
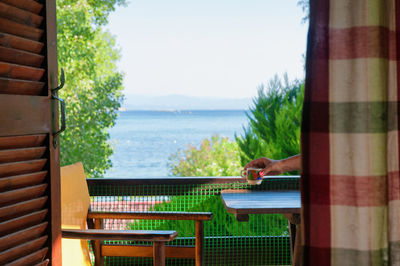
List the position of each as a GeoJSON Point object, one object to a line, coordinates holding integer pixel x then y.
{"type": "Point", "coordinates": [158, 238]}
{"type": "Point", "coordinates": [196, 252]}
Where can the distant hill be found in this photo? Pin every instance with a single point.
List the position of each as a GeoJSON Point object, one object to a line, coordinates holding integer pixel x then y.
{"type": "Point", "coordinates": [180, 102]}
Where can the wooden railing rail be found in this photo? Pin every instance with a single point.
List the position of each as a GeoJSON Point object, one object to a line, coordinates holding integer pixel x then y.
{"type": "Point", "coordinates": [180, 185]}
{"type": "Point", "coordinates": [177, 180]}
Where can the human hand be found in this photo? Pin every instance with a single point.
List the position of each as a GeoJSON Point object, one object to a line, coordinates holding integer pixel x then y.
{"type": "Point", "coordinates": [269, 166]}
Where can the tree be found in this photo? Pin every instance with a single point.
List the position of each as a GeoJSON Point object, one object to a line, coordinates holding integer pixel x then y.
{"type": "Point", "coordinates": [274, 122]}
{"type": "Point", "coordinates": [93, 85]}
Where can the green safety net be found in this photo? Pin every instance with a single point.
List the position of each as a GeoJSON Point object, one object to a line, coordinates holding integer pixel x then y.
{"type": "Point", "coordinates": [263, 240]}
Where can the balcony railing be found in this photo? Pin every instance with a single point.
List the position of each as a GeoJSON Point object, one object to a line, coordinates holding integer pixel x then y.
{"type": "Point", "coordinates": [263, 240]}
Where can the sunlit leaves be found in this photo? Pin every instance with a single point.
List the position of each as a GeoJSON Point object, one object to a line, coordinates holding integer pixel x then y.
{"type": "Point", "coordinates": [93, 85]}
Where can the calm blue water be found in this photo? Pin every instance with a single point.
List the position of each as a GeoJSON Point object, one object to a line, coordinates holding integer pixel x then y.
{"type": "Point", "coordinates": [144, 140]}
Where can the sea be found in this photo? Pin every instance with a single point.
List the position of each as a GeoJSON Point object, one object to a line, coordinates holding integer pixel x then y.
{"type": "Point", "coordinates": [143, 141]}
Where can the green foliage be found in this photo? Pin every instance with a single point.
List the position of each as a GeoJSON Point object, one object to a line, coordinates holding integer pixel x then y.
{"type": "Point", "coordinates": [93, 85]}
{"type": "Point", "coordinates": [274, 122]}
{"type": "Point", "coordinates": [215, 157]}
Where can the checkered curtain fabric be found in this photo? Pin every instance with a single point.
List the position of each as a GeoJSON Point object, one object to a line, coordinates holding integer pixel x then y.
{"type": "Point", "coordinates": [350, 134]}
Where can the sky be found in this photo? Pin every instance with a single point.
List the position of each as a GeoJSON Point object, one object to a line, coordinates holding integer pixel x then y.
{"type": "Point", "coordinates": [208, 48]}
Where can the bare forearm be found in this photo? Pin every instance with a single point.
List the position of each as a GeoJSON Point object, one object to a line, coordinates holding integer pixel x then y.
{"type": "Point", "coordinates": [292, 163]}
{"type": "Point", "coordinates": [276, 167]}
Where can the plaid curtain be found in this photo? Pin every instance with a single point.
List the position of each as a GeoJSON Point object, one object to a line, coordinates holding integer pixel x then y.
{"type": "Point", "coordinates": [350, 134]}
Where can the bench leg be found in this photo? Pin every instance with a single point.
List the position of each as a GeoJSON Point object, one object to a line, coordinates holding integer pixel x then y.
{"type": "Point", "coordinates": [199, 243]}
{"type": "Point", "coordinates": [98, 259]}
{"type": "Point", "coordinates": [158, 253]}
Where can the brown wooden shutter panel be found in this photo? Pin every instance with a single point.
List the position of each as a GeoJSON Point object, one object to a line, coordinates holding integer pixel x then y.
{"type": "Point", "coordinates": [23, 199]}
{"type": "Point", "coordinates": [27, 213]}
{"type": "Point", "coordinates": [22, 47]}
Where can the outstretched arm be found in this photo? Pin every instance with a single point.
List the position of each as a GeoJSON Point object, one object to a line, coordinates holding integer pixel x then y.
{"type": "Point", "coordinates": [276, 167]}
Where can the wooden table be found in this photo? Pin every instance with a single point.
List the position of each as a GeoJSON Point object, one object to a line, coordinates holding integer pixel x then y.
{"type": "Point", "coordinates": [244, 202]}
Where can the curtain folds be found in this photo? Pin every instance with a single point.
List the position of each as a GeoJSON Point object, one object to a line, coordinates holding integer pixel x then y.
{"type": "Point", "coordinates": [350, 134]}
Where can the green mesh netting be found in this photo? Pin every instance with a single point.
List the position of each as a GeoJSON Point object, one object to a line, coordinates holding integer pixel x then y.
{"type": "Point", "coordinates": [263, 240]}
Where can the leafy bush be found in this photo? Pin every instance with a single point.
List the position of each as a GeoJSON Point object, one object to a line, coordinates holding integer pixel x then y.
{"type": "Point", "coordinates": [217, 156]}
{"type": "Point", "coordinates": [274, 122]}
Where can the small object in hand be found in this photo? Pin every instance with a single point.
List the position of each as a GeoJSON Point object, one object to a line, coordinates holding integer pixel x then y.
{"type": "Point", "coordinates": [254, 176]}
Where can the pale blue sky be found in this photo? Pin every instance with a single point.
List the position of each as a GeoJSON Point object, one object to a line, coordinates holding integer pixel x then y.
{"type": "Point", "coordinates": [208, 48]}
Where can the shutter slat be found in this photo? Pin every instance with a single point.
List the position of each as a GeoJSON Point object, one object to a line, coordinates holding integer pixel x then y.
{"type": "Point", "coordinates": [22, 250]}
{"type": "Point", "coordinates": [15, 56]}
{"type": "Point", "coordinates": [21, 30]}
{"type": "Point", "coordinates": [43, 263]}
{"type": "Point", "coordinates": [24, 154]}
{"type": "Point", "coordinates": [21, 141]}
{"type": "Point", "coordinates": [12, 41]}
{"type": "Point", "coordinates": [19, 15]}
{"type": "Point", "coordinates": [22, 194]}
{"type": "Point", "coordinates": [22, 236]}
{"type": "Point", "coordinates": [21, 222]}
{"type": "Point", "coordinates": [19, 181]}
{"type": "Point", "coordinates": [21, 208]}
{"type": "Point", "coordinates": [33, 258]}
{"type": "Point", "coordinates": [28, 5]}
{"type": "Point", "coordinates": [19, 168]}
{"type": "Point", "coordinates": [16, 71]}
{"type": "Point", "coordinates": [21, 87]}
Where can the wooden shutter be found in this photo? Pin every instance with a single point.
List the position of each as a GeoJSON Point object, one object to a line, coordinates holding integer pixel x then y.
{"type": "Point", "coordinates": [29, 162]}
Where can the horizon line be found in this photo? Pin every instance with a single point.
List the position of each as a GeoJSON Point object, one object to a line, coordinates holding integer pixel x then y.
{"type": "Point", "coordinates": [191, 96]}
{"type": "Point", "coordinates": [177, 110]}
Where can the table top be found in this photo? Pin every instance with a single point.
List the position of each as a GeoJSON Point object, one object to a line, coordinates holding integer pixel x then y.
{"type": "Point", "coordinates": [242, 202]}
